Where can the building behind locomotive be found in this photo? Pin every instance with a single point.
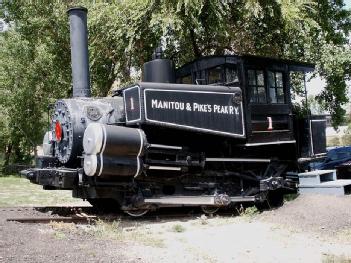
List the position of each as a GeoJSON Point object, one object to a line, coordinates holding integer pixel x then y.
{"type": "Point", "coordinates": [225, 133]}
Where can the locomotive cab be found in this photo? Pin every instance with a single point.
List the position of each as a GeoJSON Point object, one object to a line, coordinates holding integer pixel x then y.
{"type": "Point", "coordinates": [265, 84]}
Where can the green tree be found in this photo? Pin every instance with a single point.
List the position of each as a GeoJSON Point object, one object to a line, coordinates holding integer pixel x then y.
{"type": "Point", "coordinates": [35, 53]}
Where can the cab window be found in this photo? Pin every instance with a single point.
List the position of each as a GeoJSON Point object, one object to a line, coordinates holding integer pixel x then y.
{"type": "Point", "coordinates": [256, 86]}
{"type": "Point", "coordinates": [215, 75]}
{"type": "Point", "coordinates": [231, 75]}
{"type": "Point", "coordinates": [200, 77]}
{"type": "Point", "coordinates": [275, 87]}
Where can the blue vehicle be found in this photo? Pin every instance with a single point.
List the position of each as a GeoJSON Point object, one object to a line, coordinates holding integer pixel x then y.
{"type": "Point", "coordinates": [335, 156]}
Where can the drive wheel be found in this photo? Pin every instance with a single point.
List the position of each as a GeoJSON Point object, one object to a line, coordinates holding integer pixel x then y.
{"type": "Point", "coordinates": [209, 210]}
{"type": "Point", "coordinates": [274, 199]}
{"type": "Point", "coordinates": [104, 205]}
{"type": "Point", "coordinates": [137, 212]}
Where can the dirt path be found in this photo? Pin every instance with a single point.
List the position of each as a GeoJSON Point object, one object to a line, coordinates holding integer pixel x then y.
{"type": "Point", "coordinates": [245, 239]}
{"type": "Point", "coordinates": [308, 229]}
{"type": "Point", "coordinates": [313, 213]}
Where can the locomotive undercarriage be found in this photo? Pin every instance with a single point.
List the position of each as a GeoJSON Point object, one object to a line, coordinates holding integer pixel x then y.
{"type": "Point", "coordinates": [137, 175]}
{"type": "Point", "coordinates": [173, 177]}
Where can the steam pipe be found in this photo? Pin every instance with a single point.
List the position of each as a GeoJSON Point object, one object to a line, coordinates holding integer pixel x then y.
{"type": "Point", "coordinates": [79, 51]}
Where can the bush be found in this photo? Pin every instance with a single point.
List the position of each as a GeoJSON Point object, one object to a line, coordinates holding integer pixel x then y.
{"type": "Point", "coordinates": [333, 141]}
{"type": "Point", "coordinates": [14, 169]}
{"type": "Point", "coordinates": [346, 139]}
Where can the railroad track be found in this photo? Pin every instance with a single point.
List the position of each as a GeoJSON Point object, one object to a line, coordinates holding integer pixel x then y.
{"type": "Point", "coordinates": [46, 220]}
{"type": "Point", "coordinates": [67, 214]}
{"type": "Point", "coordinates": [46, 208]}
{"type": "Point", "coordinates": [86, 215]}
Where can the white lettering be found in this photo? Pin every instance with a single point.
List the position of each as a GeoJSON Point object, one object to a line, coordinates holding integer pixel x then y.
{"type": "Point", "coordinates": [236, 110]}
{"type": "Point", "coordinates": [202, 107]}
{"type": "Point", "coordinates": [196, 107]}
{"type": "Point", "coordinates": [131, 103]}
{"type": "Point", "coordinates": [153, 103]}
{"type": "Point", "coordinates": [225, 109]}
{"type": "Point", "coordinates": [215, 108]}
{"type": "Point", "coordinates": [172, 105]}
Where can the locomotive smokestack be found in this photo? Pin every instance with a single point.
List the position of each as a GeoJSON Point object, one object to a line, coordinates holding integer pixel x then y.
{"type": "Point", "coordinates": [79, 51]}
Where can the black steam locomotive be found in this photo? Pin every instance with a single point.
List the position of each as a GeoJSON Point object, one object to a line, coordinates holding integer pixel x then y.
{"type": "Point", "coordinates": [216, 131]}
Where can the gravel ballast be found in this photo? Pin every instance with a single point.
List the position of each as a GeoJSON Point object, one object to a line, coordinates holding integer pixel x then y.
{"type": "Point", "coordinates": [307, 229]}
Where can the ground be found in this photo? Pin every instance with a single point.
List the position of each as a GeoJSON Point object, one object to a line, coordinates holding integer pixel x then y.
{"type": "Point", "coordinates": [309, 228]}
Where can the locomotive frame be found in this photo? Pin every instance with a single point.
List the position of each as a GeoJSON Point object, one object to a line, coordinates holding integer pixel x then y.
{"type": "Point", "coordinates": [216, 131]}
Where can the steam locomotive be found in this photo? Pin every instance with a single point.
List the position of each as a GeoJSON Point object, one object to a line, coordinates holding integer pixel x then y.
{"type": "Point", "coordinates": [216, 131]}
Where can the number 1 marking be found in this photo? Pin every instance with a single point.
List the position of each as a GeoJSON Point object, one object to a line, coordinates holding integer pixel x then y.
{"type": "Point", "coordinates": [131, 103]}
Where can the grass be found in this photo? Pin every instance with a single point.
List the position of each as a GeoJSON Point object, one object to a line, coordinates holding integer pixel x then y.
{"type": "Point", "coordinates": [60, 229]}
{"type": "Point", "coordinates": [330, 258]}
{"type": "Point", "coordinates": [178, 228]}
{"type": "Point", "coordinates": [250, 212]}
{"type": "Point", "coordinates": [114, 230]}
{"type": "Point", "coordinates": [290, 197]}
{"type": "Point", "coordinates": [345, 234]}
{"type": "Point", "coordinates": [110, 230]}
{"type": "Point", "coordinates": [16, 191]}
{"type": "Point", "coordinates": [59, 235]}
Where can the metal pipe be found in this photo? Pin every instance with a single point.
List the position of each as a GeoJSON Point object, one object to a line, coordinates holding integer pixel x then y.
{"type": "Point", "coordinates": [79, 51]}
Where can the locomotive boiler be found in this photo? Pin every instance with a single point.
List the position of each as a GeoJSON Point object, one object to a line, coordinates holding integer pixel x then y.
{"type": "Point", "coordinates": [216, 131]}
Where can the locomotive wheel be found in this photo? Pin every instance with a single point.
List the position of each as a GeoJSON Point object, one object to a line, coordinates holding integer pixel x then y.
{"type": "Point", "coordinates": [136, 213]}
{"type": "Point", "coordinates": [209, 209]}
{"type": "Point", "coordinates": [273, 200]}
{"type": "Point", "coordinates": [104, 205]}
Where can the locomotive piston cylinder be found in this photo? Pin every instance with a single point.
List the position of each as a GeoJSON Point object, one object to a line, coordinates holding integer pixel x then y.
{"type": "Point", "coordinates": [113, 150]}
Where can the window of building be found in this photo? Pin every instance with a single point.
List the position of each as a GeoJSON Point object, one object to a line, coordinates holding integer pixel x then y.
{"type": "Point", "coordinates": [215, 75]}
{"type": "Point", "coordinates": [256, 86]}
{"type": "Point", "coordinates": [275, 88]}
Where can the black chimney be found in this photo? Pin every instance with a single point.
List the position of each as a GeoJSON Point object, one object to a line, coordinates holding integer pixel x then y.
{"type": "Point", "coordinates": [79, 51]}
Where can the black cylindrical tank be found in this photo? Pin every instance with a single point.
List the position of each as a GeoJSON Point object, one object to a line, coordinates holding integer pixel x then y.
{"type": "Point", "coordinates": [79, 51]}
{"type": "Point", "coordinates": [113, 150]}
{"type": "Point", "coordinates": [159, 69]}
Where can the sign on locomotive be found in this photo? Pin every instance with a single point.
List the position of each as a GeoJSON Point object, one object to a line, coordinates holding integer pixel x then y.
{"type": "Point", "coordinates": [216, 131]}
{"type": "Point", "coordinates": [190, 107]}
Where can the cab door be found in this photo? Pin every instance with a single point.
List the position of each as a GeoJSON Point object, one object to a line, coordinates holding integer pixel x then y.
{"type": "Point", "coordinates": [269, 105]}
